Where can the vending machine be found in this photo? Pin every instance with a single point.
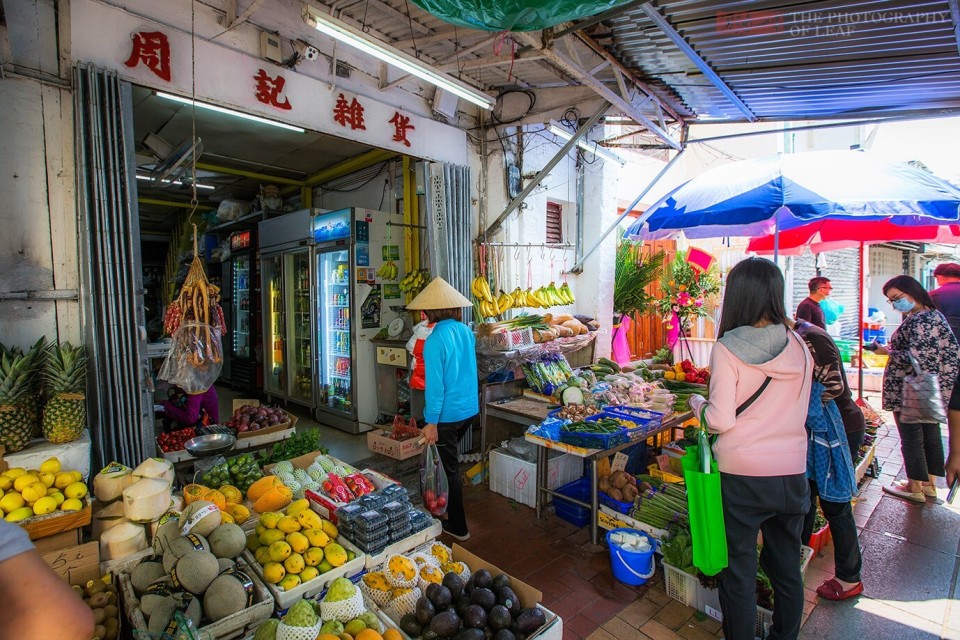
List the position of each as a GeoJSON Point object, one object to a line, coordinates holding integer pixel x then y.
{"type": "Point", "coordinates": [331, 319]}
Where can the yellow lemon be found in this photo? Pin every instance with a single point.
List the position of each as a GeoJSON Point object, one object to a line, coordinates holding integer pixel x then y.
{"type": "Point", "coordinates": [24, 481]}
{"type": "Point", "coordinates": [308, 573]}
{"type": "Point", "coordinates": [11, 502]}
{"type": "Point", "coordinates": [270, 536]}
{"type": "Point", "coordinates": [75, 490]}
{"type": "Point", "coordinates": [317, 538]}
{"type": "Point", "coordinates": [56, 495]}
{"type": "Point", "coordinates": [48, 478]}
{"type": "Point", "coordinates": [289, 582]}
{"type": "Point", "coordinates": [288, 524]}
{"type": "Point", "coordinates": [297, 506]}
{"type": "Point", "coordinates": [19, 514]}
{"type": "Point", "coordinates": [330, 529]}
{"type": "Point", "coordinates": [273, 572]}
{"type": "Point", "coordinates": [298, 542]}
{"type": "Point", "coordinates": [270, 519]}
{"type": "Point", "coordinates": [77, 476]}
{"type": "Point", "coordinates": [294, 563]}
{"type": "Point", "coordinates": [44, 506]}
{"type": "Point", "coordinates": [63, 479]}
{"type": "Point", "coordinates": [50, 465]}
{"type": "Point", "coordinates": [313, 556]}
{"type": "Point", "coordinates": [34, 492]}
{"type": "Point", "coordinates": [15, 473]}
{"type": "Point", "coordinates": [280, 551]}
{"type": "Point", "coordinates": [5, 483]}
{"type": "Point", "coordinates": [73, 504]}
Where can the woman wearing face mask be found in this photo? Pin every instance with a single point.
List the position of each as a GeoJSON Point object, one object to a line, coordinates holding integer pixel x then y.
{"type": "Point", "coordinates": [926, 333]}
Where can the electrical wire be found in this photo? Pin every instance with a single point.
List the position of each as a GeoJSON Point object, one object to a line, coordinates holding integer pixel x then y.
{"type": "Point", "coordinates": [365, 183]}
{"type": "Point", "coordinates": [530, 95]}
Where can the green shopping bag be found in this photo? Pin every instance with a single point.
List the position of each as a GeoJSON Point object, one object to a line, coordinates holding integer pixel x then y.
{"type": "Point", "coordinates": [706, 508]}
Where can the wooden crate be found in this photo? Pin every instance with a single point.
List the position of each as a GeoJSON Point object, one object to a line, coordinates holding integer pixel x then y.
{"type": "Point", "coordinates": [240, 625]}
{"type": "Point", "coordinates": [58, 521]}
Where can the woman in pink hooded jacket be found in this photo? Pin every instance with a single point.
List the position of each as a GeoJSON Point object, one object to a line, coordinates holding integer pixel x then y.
{"type": "Point", "coordinates": [761, 374]}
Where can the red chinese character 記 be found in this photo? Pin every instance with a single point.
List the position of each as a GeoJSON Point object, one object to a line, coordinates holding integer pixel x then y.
{"type": "Point", "coordinates": [401, 124]}
{"type": "Point", "coordinates": [152, 49]}
{"type": "Point", "coordinates": [269, 90]}
{"type": "Point", "coordinates": [349, 113]}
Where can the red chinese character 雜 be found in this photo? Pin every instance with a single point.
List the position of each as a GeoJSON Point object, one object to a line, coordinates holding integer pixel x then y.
{"type": "Point", "coordinates": [269, 90]}
{"type": "Point", "coordinates": [152, 49]}
{"type": "Point", "coordinates": [349, 113]}
{"type": "Point", "coordinates": [401, 124]}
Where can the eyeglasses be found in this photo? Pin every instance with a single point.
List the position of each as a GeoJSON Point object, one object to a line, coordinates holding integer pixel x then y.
{"type": "Point", "coordinates": [895, 300]}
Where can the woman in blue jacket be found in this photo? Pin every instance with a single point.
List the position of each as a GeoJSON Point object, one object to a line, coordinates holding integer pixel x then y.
{"type": "Point", "coordinates": [451, 393]}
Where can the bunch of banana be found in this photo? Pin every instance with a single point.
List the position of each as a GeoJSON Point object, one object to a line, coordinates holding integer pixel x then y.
{"type": "Point", "coordinates": [414, 281]}
{"type": "Point", "coordinates": [480, 289]}
{"type": "Point", "coordinates": [389, 270]}
{"type": "Point", "coordinates": [566, 295]}
{"type": "Point", "coordinates": [498, 305]}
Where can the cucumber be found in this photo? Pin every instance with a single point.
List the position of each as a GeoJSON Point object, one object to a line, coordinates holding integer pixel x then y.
{"type": "Point", "coordinates": [610, 364]}
{"type": "Point", "coordinates": [601, 371]}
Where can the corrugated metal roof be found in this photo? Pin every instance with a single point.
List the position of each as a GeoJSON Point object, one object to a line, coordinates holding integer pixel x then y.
{"type": "Point", "coordinates": [798, 60]}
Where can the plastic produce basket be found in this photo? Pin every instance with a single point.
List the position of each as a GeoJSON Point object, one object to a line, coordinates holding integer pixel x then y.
{"type": "Point", "coordinates": [595, 440]}
{"type": "Point", "coordinates": [644, 420]}
{"type": "Point", "coordinates": [621, 507]}
{"type": "Point", "coordinates": [573, 513]}
{"type": "Point", "coordinates": [680, 586]}
{"type": "Point", "coordinates": [666, 476]}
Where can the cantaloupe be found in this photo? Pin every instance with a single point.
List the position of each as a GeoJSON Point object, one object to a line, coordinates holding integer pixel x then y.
{"type": "Point", "coordinates": [200, 517]}
{"type": "Point", "coordinates": [227, 541]}
{"type": "Point", "coordinates": [145, 574]}
{"type": "Point", "coordinates": [195, 570]}
{"type": "Point", "coordinates": [225, 596]}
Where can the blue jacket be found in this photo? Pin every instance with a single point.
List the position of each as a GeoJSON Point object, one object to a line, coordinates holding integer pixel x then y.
{"type": "Point", "coordinates": [450, 360]}
{"type": "Point", "coordinates": [828, 456]}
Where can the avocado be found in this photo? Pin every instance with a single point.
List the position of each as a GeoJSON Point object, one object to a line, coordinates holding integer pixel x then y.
{"type": "Point", "coordinates": [510, 600]}
{"type": "Point", "coordinates": [453, 582]}
{"type": "Point", "coordinates": [462, 603]}
{"type": "Point", "coordinates": [427, 634]}
{"type": "Point", "coordinates": [475, 616]}
{"type": "Point", "coordinates": [487, 633]}
{"type": "Point", "coordinates": [483, 597]}
{"type": "Point", "coordinates": [440, 596]}
{"type": "Point", "coordinates": [410, 625]}
{"type": "Point", "coordinates": [424, 611]}
{"type": "Point", "coordinates": [470, 634]}
{"type": "Point", "coordinates": [468, 587]}
{"type": "Point", "coordinates": [445, 624]}
{"type": "Point", "coordinates": [504, 634]}
{"type": "Point", "coordinates": [501, 581]}
{"type": "Point", "coordinates": [499, 617]}
{"type": "Point", "coordinates": [482, 579]}
{"type": "Point", "coordinates": [530, 620]}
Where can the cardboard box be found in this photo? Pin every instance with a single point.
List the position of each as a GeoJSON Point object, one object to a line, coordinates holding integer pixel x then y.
{"type": "Point", "coordinates": [241, 402]}
{"type": "Point", "coordinates": [77, 564]}
{"type": "Point", "coordinates": [379, 441]}
{"type": "Point", "coordinates": [517, 479]}
{"type": "Point", "coordinates": [51, 524]}
{"type": "Point", "coordinates": [327, 506]}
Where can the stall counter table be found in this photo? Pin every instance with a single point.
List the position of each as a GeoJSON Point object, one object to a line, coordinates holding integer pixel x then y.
{"type": "Point", "coordinates": [591, 455]}
{"type": "Point", "coordinates": [183, 462]}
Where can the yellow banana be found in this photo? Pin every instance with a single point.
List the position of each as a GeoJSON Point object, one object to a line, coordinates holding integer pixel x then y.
{"type": "Point", "coordinates": [485, 288]}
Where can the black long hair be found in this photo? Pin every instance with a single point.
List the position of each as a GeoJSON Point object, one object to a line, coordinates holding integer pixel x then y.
{"type": "Point", "coordinates": [754, 292]}
{"type": "Point", "coordinates": [912, 288]}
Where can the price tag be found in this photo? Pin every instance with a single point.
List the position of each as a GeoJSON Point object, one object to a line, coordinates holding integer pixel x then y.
{"type": "Point", "coordinates": [619, 462]}
{"type": "Point", "coordinates": [663, 462]}
{"type": "Point", "coordinates": [76, 564]}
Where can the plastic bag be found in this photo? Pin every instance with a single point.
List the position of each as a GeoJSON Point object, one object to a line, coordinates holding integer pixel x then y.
{"type": "Point", "coordinates": [195, 359]}
{"type": "Point", "coordinates": [433, 481]}
{"type": "Point", "coordinates": [181, 628]}
{"type": "Point", "coordinates": [403, 430]}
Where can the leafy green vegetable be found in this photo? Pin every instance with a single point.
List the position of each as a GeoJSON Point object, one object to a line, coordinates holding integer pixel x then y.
{"type": "Point", "coordinates": [296, 445]}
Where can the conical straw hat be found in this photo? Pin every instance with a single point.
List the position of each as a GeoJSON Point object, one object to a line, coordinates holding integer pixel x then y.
{"type": "Point", "coordinates": [438, 295]}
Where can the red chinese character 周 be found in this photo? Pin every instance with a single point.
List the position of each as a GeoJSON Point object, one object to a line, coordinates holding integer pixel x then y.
{"type": "Point", "coordinates": [401, 124]}
{"type": "Point", "coordinates": [349, 113]}
{"type": "Point", "coordinates": [269, 90]}
{"type": "Point", "coordinates": [152, 49]}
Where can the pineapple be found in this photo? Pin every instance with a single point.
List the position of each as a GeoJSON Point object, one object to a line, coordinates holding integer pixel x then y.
{"type": "Point", "coordinates": [65, 375]}
{"type": "Point", "coordinates": [18, 395]}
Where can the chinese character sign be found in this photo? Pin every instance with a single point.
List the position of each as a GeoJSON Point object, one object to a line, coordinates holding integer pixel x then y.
{"type": "Point", "coordinates": [401, 124]}
{"type": "Point", "coordinates": [349, 113]}
{"type": "Point", "coordinates": [269, 90]}
{"type": "Point", "coordinates": [152, 49]}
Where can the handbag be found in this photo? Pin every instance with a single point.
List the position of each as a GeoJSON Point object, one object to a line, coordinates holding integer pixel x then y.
{"type": "Point", "coordinates": [705, 500]}
{"type": "Point", "coordinates": [922, 401]}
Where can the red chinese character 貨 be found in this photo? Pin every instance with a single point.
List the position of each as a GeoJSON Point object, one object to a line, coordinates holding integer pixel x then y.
{"type": "Point", "coordinates": [269, 90]}
{"type": "Point", "coordinates": [401, 124]}
{"type": "Point", "coordinates": [349, 113]}
{"type": "Point", "coordinates": [152, 49]}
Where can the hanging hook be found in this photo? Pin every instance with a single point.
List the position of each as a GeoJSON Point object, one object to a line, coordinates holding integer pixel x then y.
{"type": "Point", "coordinates": [543, 252]}
{"type": "Point", "coordinates": [516, 254]}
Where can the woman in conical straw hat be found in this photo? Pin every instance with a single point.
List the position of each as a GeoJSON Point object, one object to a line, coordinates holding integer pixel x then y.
{"type": "Point", "coordinates": [451, 389]}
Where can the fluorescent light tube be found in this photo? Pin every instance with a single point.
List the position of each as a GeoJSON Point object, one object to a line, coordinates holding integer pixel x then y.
{"type": "Point", "coordinates": [586, 146]}
{"type": "Point", "coordinates": [176, 182]}
{"type": "Point", "coordinates": [229, 112]}
{"type": "Point", "coordinates": [338, 30]}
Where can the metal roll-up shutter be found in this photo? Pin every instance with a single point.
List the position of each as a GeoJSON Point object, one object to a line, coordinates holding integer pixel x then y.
{"type": "Point", "coordinates": [843, 269]}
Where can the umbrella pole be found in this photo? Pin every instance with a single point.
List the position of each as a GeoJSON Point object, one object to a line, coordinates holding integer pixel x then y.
{"type": "Point", "coordinates": [776, 237]}
{"type": "Point", "coordinates": [860, 329]}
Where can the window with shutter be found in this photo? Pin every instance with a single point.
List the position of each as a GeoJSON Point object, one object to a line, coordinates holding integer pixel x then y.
{"type": "Point", "coordinates": [554, 223]}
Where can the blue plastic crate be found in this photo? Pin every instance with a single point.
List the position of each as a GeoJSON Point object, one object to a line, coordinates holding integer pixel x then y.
{"type": "Point", "coordinates": [573, 513]}
{"type": "Point", "coordinates": [622, 507]}
{"type": "Point", "coordinates": [595, 440]}
{"type": "Point", "coordinates": [644, 419]}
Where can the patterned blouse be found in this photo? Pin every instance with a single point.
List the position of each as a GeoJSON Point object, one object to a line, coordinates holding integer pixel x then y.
{"type": "Point", "coordinates": [931, 339]}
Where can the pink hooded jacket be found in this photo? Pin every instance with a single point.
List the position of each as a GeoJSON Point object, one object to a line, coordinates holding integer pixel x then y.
{"type": "Point", "coordinates": [769, 438]}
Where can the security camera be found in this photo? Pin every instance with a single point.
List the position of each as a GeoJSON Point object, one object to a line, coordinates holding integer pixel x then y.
{"type": "Point", "coordinates": [306, 51]}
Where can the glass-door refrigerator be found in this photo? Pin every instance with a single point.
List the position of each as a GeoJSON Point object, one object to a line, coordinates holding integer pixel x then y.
{"type": "Point", "coordinates": [299, 327]}
{"type": "Point", "coordinates": [243, 317]}
{"type": "Point", "coordinates": [274, 327]}
{"type": "Point", "coordinates": [335, 380]}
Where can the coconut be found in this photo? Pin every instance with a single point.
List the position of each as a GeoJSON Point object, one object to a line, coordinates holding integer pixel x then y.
{"type": "Point", "coordinates": [155, 468]}
{"type": "Point", "coordinates": [122, 540]}
{"type": "Point", "coordinates": [108, 485]}
{"type": "Point", "coordinates": [146, 500]}
{"type": "Point", "coordinates": [107, 518]}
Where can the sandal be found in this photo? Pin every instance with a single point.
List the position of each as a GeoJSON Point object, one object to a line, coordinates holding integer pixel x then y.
{"type": "Point", "coordinates": [833, 590]}
{"type": "Point", "coordinates": [929, 490]}
{"type": "Point", "coordinates": [900, 490]}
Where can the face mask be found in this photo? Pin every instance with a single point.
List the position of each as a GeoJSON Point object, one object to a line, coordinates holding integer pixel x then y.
{"type": "Point", "coordinates": [903, 305]}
